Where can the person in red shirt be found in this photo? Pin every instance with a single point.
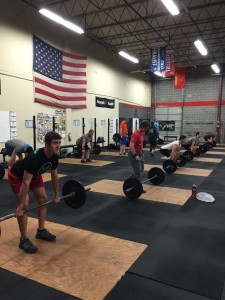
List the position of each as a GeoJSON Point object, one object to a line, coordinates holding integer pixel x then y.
{"type": "Point", "coordinates": [135, 153]}
{"type": "Point", "coordinates": [123, 136]}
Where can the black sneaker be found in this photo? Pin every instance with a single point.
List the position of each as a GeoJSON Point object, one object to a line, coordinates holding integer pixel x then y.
{"type": "Point", "coordinates": [27, 246]}
{"type": "Point", "coordinates": [44, 234]}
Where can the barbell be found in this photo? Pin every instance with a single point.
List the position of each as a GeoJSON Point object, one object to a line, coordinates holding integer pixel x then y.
{"type": "Point", "coordinates": [170, 166]}
{"type": "Point", "coordinates": [74, 195]}
{"type": "Point", "coordinates": [77, 153]}
{"type": "Point", "coordinates": [189, 155]}
{"type": "Point", "coordinates": [133, 188]}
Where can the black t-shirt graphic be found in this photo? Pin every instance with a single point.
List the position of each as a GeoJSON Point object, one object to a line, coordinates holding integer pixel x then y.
{"type": "Point", "coordinates": [35, 164]}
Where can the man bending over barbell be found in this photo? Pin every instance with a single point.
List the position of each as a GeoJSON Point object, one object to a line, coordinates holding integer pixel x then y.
{"type": "Point", "coordinates": [193, 143]}
{"type": "Point", "coordinates": [172, 150]}
{"type": "Point", "coordinates": [82, 142]}
{"type": "Point", "coordinates": [26, 174]}
{"type": "Point", "coordinates": [16, 147]}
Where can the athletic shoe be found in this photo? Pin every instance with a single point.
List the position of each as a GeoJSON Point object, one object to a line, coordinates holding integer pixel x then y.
{"type": "Point", "coordinates": [27, 246]}
{"type": "Point", "coordinates": [120, 153]}
{"type": "Point", "coordinates": [44, 234]}
{"type": "Point", "coordinates": [83, 161]}
{"type": "Point", "coordinates": [88, 160]}
{"type": "Point", "coordinates": [124, 153]}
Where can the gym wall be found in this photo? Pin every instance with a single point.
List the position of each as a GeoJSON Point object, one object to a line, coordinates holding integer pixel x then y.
{"type": "Point", "coordinates": [195, 106]}
{"type": "Point", "coordinates": [103, 80]}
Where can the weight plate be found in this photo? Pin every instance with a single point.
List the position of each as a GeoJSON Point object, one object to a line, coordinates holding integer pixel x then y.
{"type": "Point", "coordinates": [198, 152]}
{"type": "Point", "coordinates": [79, 198]}
{"type": "Point", "coordinates": [160, 141]}
{"type": "Point", "coordinates": [156, 175]}
{"type": "Point", "coordinates": [182, 161]}
{"type": "Point", "coordinates": [169, 166]}
{"type": "Point", "coordinates": [132, 188]}
{"type": "Point", "coordinates": [116, 137]}
{"type": "Point", "coordinates": [189, 155]}
{"type": "Point", "coordinates": [77, 153]}
{"type": "Point", "coordinates": [97, 149]}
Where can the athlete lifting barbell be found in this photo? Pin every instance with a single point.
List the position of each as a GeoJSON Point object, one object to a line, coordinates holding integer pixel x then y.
{"type": "Point", "coordinates": [26, 174]}
{"type": "Point", "coordinates": [172, 151]}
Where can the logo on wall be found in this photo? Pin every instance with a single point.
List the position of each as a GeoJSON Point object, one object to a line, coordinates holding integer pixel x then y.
{"type": "Point", "coordinates": [167, 125]}
{"type": "Point", "coordinates": [104, 102]}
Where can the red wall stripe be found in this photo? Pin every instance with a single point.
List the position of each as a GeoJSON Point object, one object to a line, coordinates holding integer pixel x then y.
{"type": "Point", "coordinates": [188, 103]}
{"type": "Point", "coordinates": [135, 107]}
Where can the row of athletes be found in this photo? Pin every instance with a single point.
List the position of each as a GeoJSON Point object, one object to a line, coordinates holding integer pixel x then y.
{"type": "Point", "coordinates": [172, 149]}
{"type": "Point", "coordinates": [26, 174]}
{"type": "Point", "coordinates": [17, 147]}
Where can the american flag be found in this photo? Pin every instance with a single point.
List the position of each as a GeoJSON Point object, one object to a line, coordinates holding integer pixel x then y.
{"type": "Point", "coordinates": [59, 77]}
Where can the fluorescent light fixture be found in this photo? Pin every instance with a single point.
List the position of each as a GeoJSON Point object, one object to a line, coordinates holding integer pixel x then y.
{"type": "Point", "coordinates": [158, 73]}
{"type": "Point", "coordinates": [129, 57]}
{"type": "Point", "coordinates": [171, 6]}
{"type": "Point", "coordinates": [47, 13]}
{"type": "Point", "coordinates": [201, 48]}
{"type": "Point", "coordinates": [215, 68]}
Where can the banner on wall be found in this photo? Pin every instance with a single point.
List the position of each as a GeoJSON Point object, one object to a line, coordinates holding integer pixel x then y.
{"type": "Point", "coordinates": [158, 59]}
{"type": "Point", "coordinates": [170, 65]}
{"type": "Point", "coordinates": [179, 79]}
{"type": "Point", "coordinates": [104, 102]}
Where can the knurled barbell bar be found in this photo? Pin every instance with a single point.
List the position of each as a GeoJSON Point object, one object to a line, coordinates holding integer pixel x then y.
{"type": "Point", "coordinates": [133, 188]}
{"type": "Point", "coordinates": [74, 195]}
{"type": "Point", "coordinates": [170, 166]}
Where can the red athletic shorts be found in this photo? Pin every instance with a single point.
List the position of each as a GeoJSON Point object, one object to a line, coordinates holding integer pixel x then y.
{"type": "Point", "coordinates": [16, 182]}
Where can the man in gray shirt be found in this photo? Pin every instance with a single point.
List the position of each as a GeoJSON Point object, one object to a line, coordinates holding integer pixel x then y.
{"type": "Point", "coordinates": [82, 142]}
{"type": "Point", "coordinates": [16, 147]}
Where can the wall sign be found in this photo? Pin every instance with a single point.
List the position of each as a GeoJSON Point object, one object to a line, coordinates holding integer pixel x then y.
{"type": "Point", "coordinates": [167, 125]}
{"type": "Point", "coordinates": [104, 102]}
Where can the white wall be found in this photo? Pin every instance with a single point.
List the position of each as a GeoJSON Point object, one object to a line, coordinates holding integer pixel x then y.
{"type": "Point", "coordinates": [103, 80]}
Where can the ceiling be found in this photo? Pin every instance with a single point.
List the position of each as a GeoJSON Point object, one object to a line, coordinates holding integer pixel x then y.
{"type": "Point", "coordinates": [136, 26]}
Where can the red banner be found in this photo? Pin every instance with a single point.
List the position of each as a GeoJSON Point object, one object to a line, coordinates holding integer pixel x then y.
{"type": "Point", "coordinates": [179, 79]}
{"type": "Point", "coordinates": [170, 65]}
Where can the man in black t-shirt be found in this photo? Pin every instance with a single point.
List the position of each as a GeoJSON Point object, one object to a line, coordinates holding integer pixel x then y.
{"type": "Point", "coordinates": [25, 175]}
